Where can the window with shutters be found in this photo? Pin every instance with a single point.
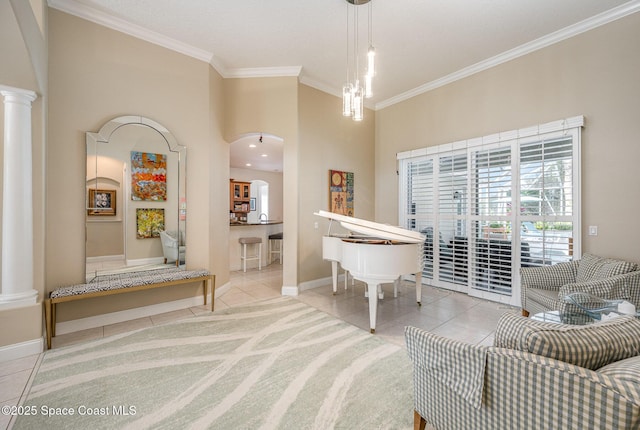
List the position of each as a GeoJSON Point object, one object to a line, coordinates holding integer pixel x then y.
{"type": "Point", "coordinates": [488, 206]}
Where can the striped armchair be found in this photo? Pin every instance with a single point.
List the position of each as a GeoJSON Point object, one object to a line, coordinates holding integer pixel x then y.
{"type": "Point", "coordinates": [543, 288]}
{"type": "Point", "coordinates": [463, 386]}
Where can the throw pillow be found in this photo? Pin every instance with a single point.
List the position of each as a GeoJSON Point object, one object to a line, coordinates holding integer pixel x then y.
{"type": "Point", "coordinates": [591, 346]}
{"type": "Point", "coordinates": [592, 268]}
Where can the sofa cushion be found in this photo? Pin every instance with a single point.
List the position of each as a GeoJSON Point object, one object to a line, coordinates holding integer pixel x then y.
{"type": "Point", "coordinates": [592, 267]}
{"type": "Point", "coordinates": [627, 374]}
{"type": "Point", "coordinates": [624, 370]}
{"type": "Point", "coordinates": [547, 298]}
{"type": "Point", "coordinates": [590, 346]}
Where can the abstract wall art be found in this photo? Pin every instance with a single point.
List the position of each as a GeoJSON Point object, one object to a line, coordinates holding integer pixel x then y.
{"type": "Point", "coordinates": [148, 176]}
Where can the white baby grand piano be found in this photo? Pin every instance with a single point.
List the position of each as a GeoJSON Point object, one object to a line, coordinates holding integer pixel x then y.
{"type": "Point", "coordinates": [373, 253]}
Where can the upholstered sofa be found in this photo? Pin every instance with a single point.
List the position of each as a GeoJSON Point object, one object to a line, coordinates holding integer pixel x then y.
{"type": "Point", "coordinates": [544, 288]}
{"type": "Point", "coordinates": [538, 375]}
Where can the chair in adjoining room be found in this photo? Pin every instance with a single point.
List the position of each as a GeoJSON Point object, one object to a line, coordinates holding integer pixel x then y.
{"type": "Point", "coordinates": [275, 246]}
{"type": "Point", "coordinates": [545, 288]}
{"type": "Point", "coordinates": [171, 249]}
{"type": "Point", "coordinates": [257, 255]}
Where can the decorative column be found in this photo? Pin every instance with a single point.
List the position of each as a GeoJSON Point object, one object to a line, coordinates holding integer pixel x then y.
{"type": "Point", "coordinates": [17, 200]}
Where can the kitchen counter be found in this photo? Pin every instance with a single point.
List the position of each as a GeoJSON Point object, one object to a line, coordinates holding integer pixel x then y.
{"type": "Point", "coordinates": [270, 222]}
{"type": "Point", "coordinates": [242, 229]}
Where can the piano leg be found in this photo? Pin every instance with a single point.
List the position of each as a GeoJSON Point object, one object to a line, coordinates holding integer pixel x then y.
{"type": "Point", "coordinates": [380, 293]}
{"type": "Point", "coordinates": [334, 276]}
{"type": "Point", "coordinates": [372, 289]}
{"type": "Point", "coordinates": [419, 288]}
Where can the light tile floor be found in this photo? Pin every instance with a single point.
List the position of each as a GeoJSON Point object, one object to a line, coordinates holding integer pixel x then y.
{"type": "Point", "coordinates": [447, 313]}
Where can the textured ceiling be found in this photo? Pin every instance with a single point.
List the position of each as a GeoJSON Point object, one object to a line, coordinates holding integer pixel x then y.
{"type": "Point", "coordinates": [420, 44]}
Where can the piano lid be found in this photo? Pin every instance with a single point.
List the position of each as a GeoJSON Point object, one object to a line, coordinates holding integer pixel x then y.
{"type": "Point", "coordinates": [374, 229]}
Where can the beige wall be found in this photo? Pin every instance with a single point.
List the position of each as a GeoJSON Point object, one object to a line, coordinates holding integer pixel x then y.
{"type": "Point", "coordinates": [213, 209]}
{"type": "Point", "coordinates": [18, 72]}
{"type": "Point", "coordinates": [270, 105]}
{"type": "Point", "coordinates": [97, 74]}
{"type": "Point", "coordinates": [329, 141]}
{"type": "Point", "coordinates": [595, 74]}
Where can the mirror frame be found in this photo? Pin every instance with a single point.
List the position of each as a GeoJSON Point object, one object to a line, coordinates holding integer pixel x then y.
{"type": "Point", "coordinates": [103, 136]}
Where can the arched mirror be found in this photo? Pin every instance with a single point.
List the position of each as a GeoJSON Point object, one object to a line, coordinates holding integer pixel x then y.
{"type": "Point", "coordinates": [135, 197]}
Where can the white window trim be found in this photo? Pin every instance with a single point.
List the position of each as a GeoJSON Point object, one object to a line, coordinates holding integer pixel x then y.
{"type": "Point", "coordinates": [570, 125]}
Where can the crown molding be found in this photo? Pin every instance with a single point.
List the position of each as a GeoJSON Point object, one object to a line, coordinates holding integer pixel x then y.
{"type": "Point", "coordinates": [321, 86]}
{"type": "Point", "coordinates": [325, 88]}
{"type": "Point", "coordinates": [616, 13]}
{"type": "Point", "coordinates": [263, 72]}
{"type": "Point", "coordinates": [99, 17]}
{"type": "Point", "coordinates": [217, 64]}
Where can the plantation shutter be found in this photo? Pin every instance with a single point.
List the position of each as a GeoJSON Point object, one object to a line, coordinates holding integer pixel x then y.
{"type": "Point", "coordinates": [489, 206]}
{"type": "Point", "coordinates": [419, 205]}
{"type": "Point", "coordinates": [491, 219]}
{"type": "Point", "coordinates": [547, 200]}
{"type": "Point", "coordinates": [452, 216]}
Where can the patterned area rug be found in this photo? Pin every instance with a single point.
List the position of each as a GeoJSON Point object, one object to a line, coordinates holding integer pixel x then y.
{"type": "Point", "coordinates": [275, 364]}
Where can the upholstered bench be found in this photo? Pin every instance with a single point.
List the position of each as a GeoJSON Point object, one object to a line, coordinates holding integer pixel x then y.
{"type": "Point", "coordinates": [124, 283]}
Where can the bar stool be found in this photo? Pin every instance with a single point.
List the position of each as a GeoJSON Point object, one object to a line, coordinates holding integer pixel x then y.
{"type": "Point", "coordinates": [274, 239]}
{"type": "Point", "coordinates": [244, 241]}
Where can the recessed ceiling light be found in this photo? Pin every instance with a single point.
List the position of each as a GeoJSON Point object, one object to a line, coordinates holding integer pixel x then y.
{"type": "Point", "coordinates": [264, 155]}
{"type": "Point", "coordinates": [253, 145]}
{"type": "Point", "coordinates": [248, 164]}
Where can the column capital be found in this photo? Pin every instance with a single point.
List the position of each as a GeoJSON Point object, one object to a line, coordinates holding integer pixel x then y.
{"type": "Point", "coordinates": [26, 95]}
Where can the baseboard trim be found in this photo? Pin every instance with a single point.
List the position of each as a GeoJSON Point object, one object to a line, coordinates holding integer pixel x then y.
{"type": "Point", "coordinates": [22, 349]}
{"type": "Point", "coordinates": [102, 258]}
{"type": "Point", "coordinates": [66, 327]}
{"type": "Point", "coordinates": [144, 261]}
{"type": "Point", "coordinates": [289, 291]}
{"type": "Point", "coordinates": [308, 285]}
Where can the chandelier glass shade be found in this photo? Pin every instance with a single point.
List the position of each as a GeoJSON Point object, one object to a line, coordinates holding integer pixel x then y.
{"type": "Point", "coordinates": [358, 86]}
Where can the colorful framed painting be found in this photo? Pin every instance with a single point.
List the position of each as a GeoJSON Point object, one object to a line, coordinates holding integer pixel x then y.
{"type": "Point", "coordinates": [102, 202]}
{"type": "Point", "coordinates": [341, 192]}
{"type": "Point", "coordinates": [149, 223]}
{"type": "Point", "coordinates": [148, 176]}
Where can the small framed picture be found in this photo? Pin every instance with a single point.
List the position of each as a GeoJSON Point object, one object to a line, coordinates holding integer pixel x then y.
{"type": "Point", "coordinates": [252, 204]}
{"type": "Point", "coordinates": [102, 202]}
{"type": "Point", "coordinates": [149, 222]}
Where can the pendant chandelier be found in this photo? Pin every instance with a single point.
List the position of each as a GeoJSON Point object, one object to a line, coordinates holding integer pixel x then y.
{"type": "Point", "coordinates": [357, 87]}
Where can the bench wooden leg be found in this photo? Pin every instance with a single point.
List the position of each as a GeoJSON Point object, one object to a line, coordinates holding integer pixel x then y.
{"type": "Point", "coordinates": [525, 313]}
{"type": "Point", "coordinates": [48, 317]}
{"type": "Point", "coordinates": [418, 422]}
{"type": "Point", "coordinates": [212, 281]}
{"type": "Point", "coordinates": [205, 287]}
